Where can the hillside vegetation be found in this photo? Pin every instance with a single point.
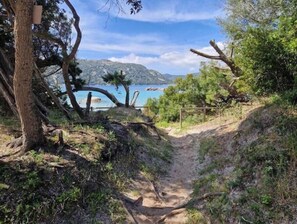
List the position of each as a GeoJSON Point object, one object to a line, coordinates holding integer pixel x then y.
{"type": "Point", "coordinates": [234, 161]}
{"type": "Point", "coordinates": [253, 162]}
{"type": "Point", "coordinates": [82, 179]}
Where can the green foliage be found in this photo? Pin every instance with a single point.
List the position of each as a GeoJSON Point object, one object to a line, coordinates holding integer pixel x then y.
{"type": "Point", "coordinates": [195, 216]}
{"type": "Point", "coordinates": [206, 89]}
{"type": "Point", "coordinates": [264, 36]}
{"type": "Point", "coordinates": [68, 198]}
{"type": "Point", "coordinates": [116, 79]}
{"type": "Point", "coordinates": [268, 66]}
{"type": "Point", "coordinates": [207, 146]}
{"type": "Point", "coordinates": [263, 175]}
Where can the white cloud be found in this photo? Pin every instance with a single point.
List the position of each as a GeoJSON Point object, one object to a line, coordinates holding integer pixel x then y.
{"type": "Point", "coordinates": [173, 62]}
{"type": "Point", "coordinates": [165, 55]}
{"type": "Point", "coordinates": [165, 11]}
{"type": "Point", "coordinates": [136, 48]}
{"type": "Point", "coordinates": [169, 16]}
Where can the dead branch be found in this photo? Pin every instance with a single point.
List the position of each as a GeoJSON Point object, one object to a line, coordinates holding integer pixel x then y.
{"type": "Point", "coordinates": [52, 73]}
{"type": "Point", "coordinates": [222, 57]}
{"type": "Point", "coordinates": [134, 98]}
{"type": "Point", "coordinates": [106, 93]}
{"type": "Point", "coordinates": [77, 28]}
{"type": "Point", "coordinates": [155, 189]}
{"type": "Point", "coordinates": [165, 212]}
{"type": "Point", "coordinates": [205, 55]}
{"type": "Point", "coordinates": [50, 92]}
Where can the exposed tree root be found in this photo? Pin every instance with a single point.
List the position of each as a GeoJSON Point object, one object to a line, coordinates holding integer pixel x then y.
{"type": "Point", "coordinates": [15, 143]}
{"type": "Point", "coordinates": [165, 212]}
{"type": "Point", "coordinates": [11, 154]}
{"type": "Point", "coordinates": [195, 200]}
{"type": "Point", "coordinates": [172, 213]}
{"type": "Point", "coordinates": [155, 189]}
{"type": "Point", "coordinates": [176, 210]}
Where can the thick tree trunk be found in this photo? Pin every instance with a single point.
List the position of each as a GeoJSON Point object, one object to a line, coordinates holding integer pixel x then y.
{"type": "Point", "coordinates": [22, 83]}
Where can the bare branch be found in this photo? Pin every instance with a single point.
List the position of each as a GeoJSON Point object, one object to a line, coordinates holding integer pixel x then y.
{"type": "Point", "coordinates": [77, 28]}
{"type": "Point", "coordinates": [103, 91]}
{"type": "Point", "coordinates": [222, 56]}
{"type": "Point", "coordinates": [205, 55]}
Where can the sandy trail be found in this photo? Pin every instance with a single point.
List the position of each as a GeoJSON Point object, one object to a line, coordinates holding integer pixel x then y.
{"type": "Point", "coordinates": [176, 187]}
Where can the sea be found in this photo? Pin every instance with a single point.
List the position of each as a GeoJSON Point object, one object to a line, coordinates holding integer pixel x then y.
{"type": "Point", "coordinates": [120, 94]}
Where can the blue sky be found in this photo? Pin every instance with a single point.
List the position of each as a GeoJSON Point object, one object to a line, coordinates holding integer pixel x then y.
{"type": "Point", "coordinates": [159, 36]}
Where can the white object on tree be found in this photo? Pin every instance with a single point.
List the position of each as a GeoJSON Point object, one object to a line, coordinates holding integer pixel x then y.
{"type": "Point", "coordinates": [37, 14]}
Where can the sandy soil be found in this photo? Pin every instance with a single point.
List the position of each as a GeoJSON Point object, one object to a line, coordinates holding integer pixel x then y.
{"type": "Point", "coordinates": [157, 199]}
{"type": "Point", "coordinates": [176, 187]}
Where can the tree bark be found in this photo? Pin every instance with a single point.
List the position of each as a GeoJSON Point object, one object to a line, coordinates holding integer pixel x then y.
{"type": "Point", "coordinates": [103, 91]}
{"type": "Point", "coordinates": [50, 92]}
{"type": "Point", "coordinates": [126, 87]}
{"type": "Point", "coordinates": [88, 105]}
{"type": "Point", "coordinates": [68, 58]}
{"type": "Point", "coordinates": [237, 72]}
{"type": "Point", "coordinates": [134, 98]}
{"type": "Point", "coordinates": [9, 99]}
{"type": "Point", "coordinates": [75, 105]}
{"type": "Point", "coordinates": [22, 82]}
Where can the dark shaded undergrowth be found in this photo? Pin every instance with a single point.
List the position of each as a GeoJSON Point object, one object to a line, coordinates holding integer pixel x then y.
{"type": "Point", "coordinates": [80, 181]}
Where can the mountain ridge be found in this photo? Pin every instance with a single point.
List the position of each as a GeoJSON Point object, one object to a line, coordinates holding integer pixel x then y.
{"type": "Point", "coordinates": [93, 70]}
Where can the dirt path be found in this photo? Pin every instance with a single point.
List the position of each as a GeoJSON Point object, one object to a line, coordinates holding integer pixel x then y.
{"type": "Point", "coordinates": [158, 199]}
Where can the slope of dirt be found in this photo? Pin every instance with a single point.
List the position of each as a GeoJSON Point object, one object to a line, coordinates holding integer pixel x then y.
{"type": "Point", "coordinates": [78, 181]}
{"type": "Point", "coordinates": [159, 198]}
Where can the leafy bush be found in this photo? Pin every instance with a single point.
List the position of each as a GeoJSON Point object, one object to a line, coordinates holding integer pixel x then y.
{"type": "Point", "coordinates": [206, 89]}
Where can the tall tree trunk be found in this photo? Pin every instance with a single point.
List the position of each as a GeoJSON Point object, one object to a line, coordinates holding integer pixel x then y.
{"type": "Point", "coordinates": [22, 82]}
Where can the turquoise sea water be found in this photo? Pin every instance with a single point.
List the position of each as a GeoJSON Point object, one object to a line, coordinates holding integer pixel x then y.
{"type": "Point", "coordinates": [120, 95]}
